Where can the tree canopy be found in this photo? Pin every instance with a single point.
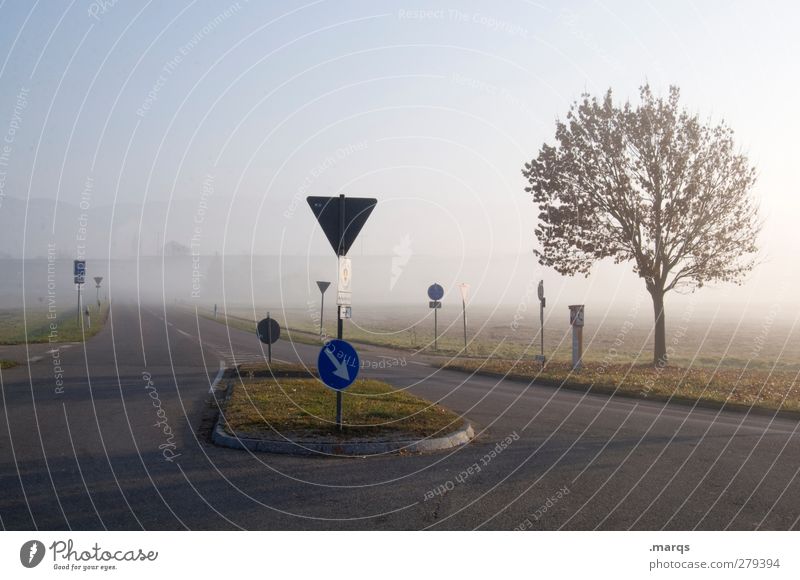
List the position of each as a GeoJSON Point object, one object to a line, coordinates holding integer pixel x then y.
{"type": "Point", "coordinates": [650, 184]}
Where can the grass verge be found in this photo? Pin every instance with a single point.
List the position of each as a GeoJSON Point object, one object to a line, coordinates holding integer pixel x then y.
{"type": "Point", "coordinates": [7, 364]}
{"type": "Point", "coordinates": [65, 327]}
{"type": "Point", "coordinates": [303, 407]}
{"type": "Point", "coordinates": [771, 390]}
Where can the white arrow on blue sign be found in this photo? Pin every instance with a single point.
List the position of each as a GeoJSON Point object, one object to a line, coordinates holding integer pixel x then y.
{"type": "Point", "coordinates": [338, 364]}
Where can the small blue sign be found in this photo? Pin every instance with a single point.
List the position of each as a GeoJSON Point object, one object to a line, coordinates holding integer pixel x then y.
{"type": "Point", "coordinates": [435, 292]}
{"type": "Point", "coordinates": [338, 364]}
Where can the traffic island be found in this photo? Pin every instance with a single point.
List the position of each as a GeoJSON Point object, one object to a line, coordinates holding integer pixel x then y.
{"type": "Point", "coordinates": [297, 416]}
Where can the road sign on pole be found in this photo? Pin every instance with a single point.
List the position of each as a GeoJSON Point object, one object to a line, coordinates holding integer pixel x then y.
{"type": "Point", "coordinates": [97, 280]}
{"type": "Point", "coordinates": [79, 275]}
{"type": "Point", "coordinates": [540, 292]}
{"type": "Point", "coordinates": [322, 285]}
{"type": "Point", "coordinates": [464, 288]}
{"type": "Point", "coordinates": [269, 331]}
{"type": "Point", "coordinates": [341, 219]}
{"type": "Point", "coordinates": [435, 293]}
{"type": "Point", "coordinates": [338, 364]}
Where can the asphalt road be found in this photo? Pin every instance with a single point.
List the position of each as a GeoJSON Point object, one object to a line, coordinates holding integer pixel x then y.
{"type": "Point", "coordinates": [94, 454]}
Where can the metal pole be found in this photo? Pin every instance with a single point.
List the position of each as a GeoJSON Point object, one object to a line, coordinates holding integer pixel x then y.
{"type": "Point", "coordinates": [339, 321]}
{"type": "Point", "coordinates": [464, 316]}
{"type": "Point", "coordinates": [269, 339]}
{"type": "Point", "coordinates": [541, 330]}
{"type": "Point", "coordinates": [321, 315]}
{"type": "Point", "coordinates": [435, 329]}
{"type": "Point", "coordinates": [79, 305]}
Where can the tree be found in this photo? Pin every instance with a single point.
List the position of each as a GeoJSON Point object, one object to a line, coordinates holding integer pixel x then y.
{"type": "Point", "coordinates": [649, 184]}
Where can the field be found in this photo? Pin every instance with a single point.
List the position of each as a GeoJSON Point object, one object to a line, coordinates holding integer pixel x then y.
{"type": "Point", "coordinates": [694, 339]}
{"type": "Point", "coordinates": [34, 325]}
{"type": "Point", "coordinates": [733, 362]}
{"type": "Point", "coordinates": [741, 387]}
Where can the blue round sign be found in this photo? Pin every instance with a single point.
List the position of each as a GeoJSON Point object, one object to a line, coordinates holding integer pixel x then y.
{"type": "Point", "coordinates": [338, 364]}
{"type": "Point", "coordinates": [435, 292]}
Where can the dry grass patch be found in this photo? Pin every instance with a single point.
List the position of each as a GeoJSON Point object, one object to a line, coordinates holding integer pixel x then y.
{"type": "Point", "coordinates": [778, 389]}
{"type": "Point", "coordinates": [304, 407]}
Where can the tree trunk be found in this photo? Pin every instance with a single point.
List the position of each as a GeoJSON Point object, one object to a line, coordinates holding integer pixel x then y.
{"type": "Point", "coordinates": [660, 332]}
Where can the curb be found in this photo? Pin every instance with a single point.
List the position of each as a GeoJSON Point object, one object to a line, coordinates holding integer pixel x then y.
{"type": "Point", "coordinates": [656, 398]}
{"type": "Point", "coordinates": [352, 448]}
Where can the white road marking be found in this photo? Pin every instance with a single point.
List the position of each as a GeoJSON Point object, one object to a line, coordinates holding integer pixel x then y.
{"type": "Point", "coordinates": [218, 377]}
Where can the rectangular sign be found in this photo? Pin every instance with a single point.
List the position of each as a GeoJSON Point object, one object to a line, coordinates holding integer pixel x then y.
{"type": "Point", "coordinates": [346, 312]}
{"type": "Point", "coordinates": [343, 291]}
{"type": "Point", "coordinates": [434, 304]}
{"type": "Point", "coordinates": [576, 315]}
{"type": "Point", "coordinates": [79, 279]}
{"type": "Point", "coordinates": [79, 269]}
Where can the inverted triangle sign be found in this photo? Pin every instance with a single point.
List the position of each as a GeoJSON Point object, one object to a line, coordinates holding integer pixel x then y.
{"type": "Point", "coordinates": [341, 218]}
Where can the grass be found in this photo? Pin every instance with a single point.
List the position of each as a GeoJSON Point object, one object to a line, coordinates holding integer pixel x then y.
{"type": "Point", "coordinates": [751, 387]}
{"type": "Point", "coordinates": [7, 364]}
{"type": "Point", "coordinates": [273, 369]}
{"type": "Point", "coordinates": [248, 325]}
{"type": "Point", "coordinates": [303, 407]}
{"type": "Point", "coordinates": [509, 334]}
{"type": "Point", "coordinates": [64, 327]}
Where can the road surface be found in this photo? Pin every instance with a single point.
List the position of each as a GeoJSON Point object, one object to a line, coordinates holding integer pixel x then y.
{"type": "Point", "coordinates": [122, 443]}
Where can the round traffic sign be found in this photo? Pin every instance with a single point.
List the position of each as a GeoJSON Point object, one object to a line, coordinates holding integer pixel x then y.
{"type": "Point", "coordinates": [338, 364]}
{"type": "Point", "coordinates": [435, 292]}
{"type": "Point", "coordinates": [268, 330]}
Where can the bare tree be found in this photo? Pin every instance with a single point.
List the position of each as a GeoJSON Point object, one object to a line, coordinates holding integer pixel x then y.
{"type": "Point", "coordinates": [650, 184]}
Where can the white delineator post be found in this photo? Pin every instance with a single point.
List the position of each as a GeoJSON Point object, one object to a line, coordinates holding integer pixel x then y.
{"type": "Point", "coordinates": [576, 321]}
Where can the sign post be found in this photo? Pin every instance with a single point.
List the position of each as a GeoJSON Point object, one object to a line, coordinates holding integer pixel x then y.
{"type": "Point", "coordinates": [97, 280]}
{"type": "Point", "coordinates": [268, 331]}
{"type": "Point", "coordinates": [542, 303]}
{"type": "Point", "coordinates": [341, 222]}
{"type": "Point", "coordinates": [79, 276]}
{"type": "Point", "coordinates": [464, 287]}
{"type": "Point", "coordinates": [435, 293]}
{"type": "Point", "coordinates": [322, 287]}
{"type": "Point", "coordinates": [576, 320]}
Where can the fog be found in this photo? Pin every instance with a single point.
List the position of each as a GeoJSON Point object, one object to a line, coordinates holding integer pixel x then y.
{"type": "Point", "coordinates": [177, 162]}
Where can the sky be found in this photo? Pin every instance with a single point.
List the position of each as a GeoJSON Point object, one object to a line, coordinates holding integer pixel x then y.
{"type": "Point", "coordinates": [234, 112]}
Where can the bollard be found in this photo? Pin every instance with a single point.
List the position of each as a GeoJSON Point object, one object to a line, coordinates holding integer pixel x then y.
{"type": "Point", "coordinates": [576, 321]}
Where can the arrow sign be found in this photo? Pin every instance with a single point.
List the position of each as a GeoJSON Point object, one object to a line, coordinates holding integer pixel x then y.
{"type": "Point", "coordinates": [322, 286]}
{"type": "Point", "coordinates": [341, 229]}
{"type": "Point", "coordinates": [338, 364]}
